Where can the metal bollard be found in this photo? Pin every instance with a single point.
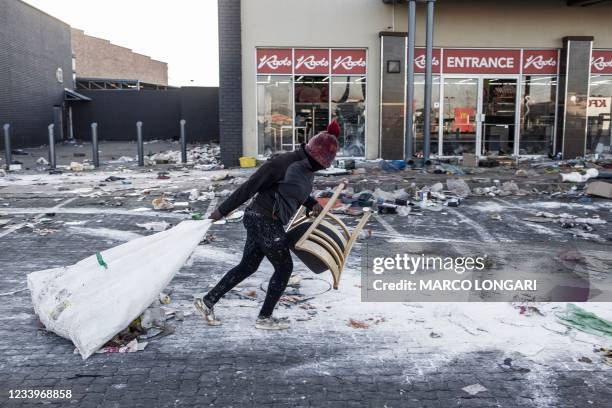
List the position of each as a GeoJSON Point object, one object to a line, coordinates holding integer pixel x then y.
{"type": "Point", "coordinates": [51, 146]}
{"type": "Point", "coordinates": [94, 144]}
{"type": "Point", "coordinates": [140, 144]}
{"type": "Point", "coordinates": [183, 142]}
{"type": "Point", "coordinates": [7, 146]}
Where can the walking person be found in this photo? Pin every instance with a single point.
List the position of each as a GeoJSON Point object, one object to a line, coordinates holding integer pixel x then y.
{"type": "Point", "coordinates": [279, 187]}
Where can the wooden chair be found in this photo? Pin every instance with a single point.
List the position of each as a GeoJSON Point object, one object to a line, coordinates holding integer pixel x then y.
{"type": "Point", "coordinates": [325, 242]}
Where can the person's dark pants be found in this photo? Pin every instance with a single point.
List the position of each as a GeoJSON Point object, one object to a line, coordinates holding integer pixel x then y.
{"type": "Point", "coordinates": [265, 237]}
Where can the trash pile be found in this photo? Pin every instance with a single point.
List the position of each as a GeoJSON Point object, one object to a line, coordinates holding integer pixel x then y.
{"type": "Point", "coordinates": [187, 201]}
{"type": "Point", "coordinates": [401, 202]}
{"type": "Point", "coordinates": [580, 227]}
{"type": "Point", "coordinates": [152, 324]}
{"type": "Point", "coordinates": [205, 157]}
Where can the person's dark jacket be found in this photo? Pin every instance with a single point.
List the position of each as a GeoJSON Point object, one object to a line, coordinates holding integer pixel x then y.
{"type": "Point", "coordinates": [280, 186]}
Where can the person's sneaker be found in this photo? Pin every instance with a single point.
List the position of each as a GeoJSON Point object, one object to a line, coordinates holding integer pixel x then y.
{"type": "Point", "coordinates": [272, 323]}
{"type": "Point", "coordinates": [207, 312]}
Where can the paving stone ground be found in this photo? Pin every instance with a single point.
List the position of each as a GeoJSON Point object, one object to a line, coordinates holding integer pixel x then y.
{"type": "Point", "coordinates": [320, 362]}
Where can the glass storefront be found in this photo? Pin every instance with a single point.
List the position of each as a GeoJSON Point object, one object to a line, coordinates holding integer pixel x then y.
{"type": "Point", "coordinates": [419, 114]}
{"type": "Point", "coordinates": [537, 121]}
{"type": "Point", "coordinates": [274, 113]}
{"type": "Point", "coordinates": [299, 91]}
{"type": "Point", "coordinates": [459, 106]}
{"type": "Point", "coordinates": [599, 131]}
{"type": "Point", "coordinates": [311, 106]}
{"type": "Point", "coordinates": [498, 116]}
{"type": "Point", "coordinates": [348, 108]}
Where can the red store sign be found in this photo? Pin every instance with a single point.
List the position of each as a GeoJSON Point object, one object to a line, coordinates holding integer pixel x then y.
{"type": "Point", "coordinates": [540, 62]}
{"type": "Point", "coordinates": [285, 61]}
{"type": "Point", "coordinates": [274, 61]}
{"type": "Point", "coordinates": [488, 61]}
{"type": "Point", "coordinates": [347, 62]}
{"type": "Point", "coordinates": [476, 61]}
{"type": "Point", "coordinates": [601, 62]}
{"type": "Point", "coordinates": [307, 62]}
{"type": "Point", "coordinates": [419, 60]}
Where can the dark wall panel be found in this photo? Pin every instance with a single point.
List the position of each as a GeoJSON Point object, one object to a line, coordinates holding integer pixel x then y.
{"type": "Point", "coordinates": [200, 108]}
{"type": "Point", "coordinates": [33, 45]}
{"type": "Point", "coordinates": [117, 112]}
{"type": "Point", "coordinates": [392, 98]}
{"type": "Point", "coordinates": [230, 81]}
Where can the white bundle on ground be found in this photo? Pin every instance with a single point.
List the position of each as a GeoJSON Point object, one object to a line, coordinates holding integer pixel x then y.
{"type": "Point", "coordinates": [89, 303]}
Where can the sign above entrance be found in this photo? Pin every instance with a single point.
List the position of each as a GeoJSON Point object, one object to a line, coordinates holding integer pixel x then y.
{"type": "Point", "coordinates": [313, 61]}
{"type": "Point", "coordinates": [601, 62]}
{"type": "Point", "coordinates": [540, 62]}
{"type": "Point", "coordinates": [481, 61]}
{"type": "Point", "coordinates": [419, 60]}
{"type": "Point", "coordinates": [349, 62]}
{"type": "Point", "coordinates": [274, 61]}
{"type": "Point", "coordinates": [488, 61]}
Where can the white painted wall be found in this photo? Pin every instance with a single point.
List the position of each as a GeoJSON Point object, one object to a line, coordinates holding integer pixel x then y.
{"type": "Point", "coordinates": [312, 23]}
{"type": "Point", "coordinates": [356, 23]}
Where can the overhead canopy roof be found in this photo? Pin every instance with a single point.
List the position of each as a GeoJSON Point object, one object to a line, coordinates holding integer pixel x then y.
{"type": "Point", "coordinates": [72, 96]}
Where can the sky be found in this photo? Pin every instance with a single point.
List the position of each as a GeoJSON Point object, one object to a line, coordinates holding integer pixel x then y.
{"type": "Point", "coordinates": [182, 33]}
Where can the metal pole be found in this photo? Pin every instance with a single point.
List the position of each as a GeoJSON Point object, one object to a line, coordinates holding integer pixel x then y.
{"type": "Point", "coordinates": [51, 146]}
{"type": "Point", "coordinates": [7, 146]}
{"type": "Point", "coordinates": [183, 142]}
{"type": "Point", "coordinates": [140, 144]}
{"type": "Point", "coordinates": [409, 137]}
{"type": "Point", "coordinates": [428, 80]}
{"type": "Point", "coordinates": [94, 144]}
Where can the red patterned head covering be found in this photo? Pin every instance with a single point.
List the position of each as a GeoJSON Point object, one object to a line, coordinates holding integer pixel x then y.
{"type": "Point", "coordinates": [324, 146]}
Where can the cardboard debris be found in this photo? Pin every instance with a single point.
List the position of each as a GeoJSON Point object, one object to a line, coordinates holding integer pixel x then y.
{"type": "Point", "coordinates": [470, 160]}
{"type": "Point", "coordinates": [357, 324]}
{"type": "Point", "coordinates": [600, 189]}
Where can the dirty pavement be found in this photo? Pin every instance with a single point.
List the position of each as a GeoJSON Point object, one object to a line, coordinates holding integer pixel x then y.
{"type": "Point", "coordinates": [340, 351]}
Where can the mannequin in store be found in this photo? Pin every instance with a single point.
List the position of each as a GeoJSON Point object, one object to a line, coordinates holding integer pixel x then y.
{"type": "Point", "coordinates": [279, 188]}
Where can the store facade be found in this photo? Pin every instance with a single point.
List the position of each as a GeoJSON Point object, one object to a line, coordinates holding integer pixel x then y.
{"type": "Point", "coordinates": [299, 91]}
{"type": "Point", "coordinates": [515, 78]}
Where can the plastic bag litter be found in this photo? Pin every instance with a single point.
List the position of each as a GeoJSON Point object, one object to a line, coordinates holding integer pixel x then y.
{"type": "Point", "coordinates": [458, 187]}
{"type": "Point", "coordinates": [583, 320]}
{"type": "Point", "coordinates": [89, 304]}
{"type": "Point", "coordinates": [381, 195]}
{"type": "Point", "coordinates": [576, 177]}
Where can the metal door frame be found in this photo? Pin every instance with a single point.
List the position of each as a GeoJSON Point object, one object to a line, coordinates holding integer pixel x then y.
{"type": "Point", "coordinates": [517, 108]}
{"type": "Point", "coordinates": [479, 123]}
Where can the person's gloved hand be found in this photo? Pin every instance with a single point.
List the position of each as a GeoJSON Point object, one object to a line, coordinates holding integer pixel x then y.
{"type": "Point", "coordinates": [316, 210]}
{"type": "Point", "coordinates": [215, 216]}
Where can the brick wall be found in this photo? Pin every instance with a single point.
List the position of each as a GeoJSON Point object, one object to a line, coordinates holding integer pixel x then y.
{"type": "Point", "coordinates": [98, 58]}
{"type": "Point", "coordinates": [230, 81]}
{"type": "Point", "coordinates": [33, 45]}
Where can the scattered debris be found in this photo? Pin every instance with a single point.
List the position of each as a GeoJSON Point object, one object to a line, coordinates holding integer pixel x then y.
{"type": "Point", "coordinates": [458, 187]}
{"type": "Point", "coordinates": [162, 204]}
{"type": "Point", "coordinates": [155, 226]}
{"type": "Point", "coordinates": [576, 177]}
{"type": "Point", "coordinates": [600, 189]}
{"type": "Point", "coordinates": [357, 324]}
{"type": "Point", "coordinates": [585, 321]}
{"type": "Point", "coordinates": [474, 389]}
{"type": "Point", "coordinates": [606, 355]}
{"type": "Point", "coordinates": [110, 179]}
